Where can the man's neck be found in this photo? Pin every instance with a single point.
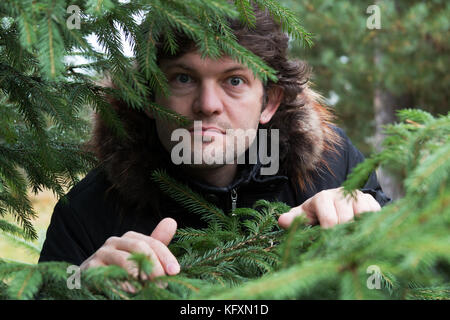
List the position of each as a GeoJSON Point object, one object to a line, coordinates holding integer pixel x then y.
{"type": "Point", "coordinates": [219, 177]}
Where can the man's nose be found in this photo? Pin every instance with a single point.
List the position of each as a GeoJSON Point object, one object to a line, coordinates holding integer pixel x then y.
{"type": "Point", "coordinates": [208, 99]}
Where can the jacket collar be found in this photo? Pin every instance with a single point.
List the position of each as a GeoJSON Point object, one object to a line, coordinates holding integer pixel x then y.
{"type": "Point", "coordinates": [304, 132]}
{"type": "Point", "coordinates": [249, 173]}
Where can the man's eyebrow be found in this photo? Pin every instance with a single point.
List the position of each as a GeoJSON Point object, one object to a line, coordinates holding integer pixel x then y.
{"type": "Point", "coordinates": [187, 68]}
{"type": "Point", "coordinates": [179, 65]}
{"type": "Point", "coordinates": [236, 68]}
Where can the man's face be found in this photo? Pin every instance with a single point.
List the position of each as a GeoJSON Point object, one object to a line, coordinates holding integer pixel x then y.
{"type": "Point", "coordinates": [223, 94]}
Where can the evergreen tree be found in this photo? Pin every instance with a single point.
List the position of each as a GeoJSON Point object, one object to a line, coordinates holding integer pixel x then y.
{"type": "Point", "coordinates": [401, 252]}
{"type": "Point", "coordinates": [43, 92]}
{"type": "Point", "coordinates": [239, 255]}
{"type": "Point", "coordinates": [369, 72]}
{"type": "Point", "coordinates": [412, 38]}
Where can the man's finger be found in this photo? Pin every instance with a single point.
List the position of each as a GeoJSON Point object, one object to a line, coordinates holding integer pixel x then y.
{"type": "Point", "coordinates": [120, 258]}
{"type": "Point", "coordinates": [167, 259]}
{"type": "Point", "coordinates": [361, 204]}
{"type": "Point", "coordinates": [374, 205]}
{"type": "Point", "coordinates": [165, 230]}
{"type": "Point", "coordinates": [344, 209]}
{"type": "Point", "coordinates": [137, 242]}
{"type": "Point", "coordinates": [285, 220]}
{"type": "Point", "coordinates": [323, 208]}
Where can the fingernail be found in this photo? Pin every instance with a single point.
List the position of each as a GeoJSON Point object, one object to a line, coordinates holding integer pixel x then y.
{"type": "Point", "coordinates": [173, 268]}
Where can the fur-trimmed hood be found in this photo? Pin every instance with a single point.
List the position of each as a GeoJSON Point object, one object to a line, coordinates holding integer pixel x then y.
{"type": "Point", "coordinates": [305, 134]}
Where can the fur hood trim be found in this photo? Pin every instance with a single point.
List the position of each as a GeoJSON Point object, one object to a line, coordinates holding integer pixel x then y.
{"type": "Point", "coordinates": [305, 134]}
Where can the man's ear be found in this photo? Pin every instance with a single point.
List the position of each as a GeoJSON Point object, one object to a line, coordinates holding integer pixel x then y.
{"type": "Point", "coordinates": [274, 98]}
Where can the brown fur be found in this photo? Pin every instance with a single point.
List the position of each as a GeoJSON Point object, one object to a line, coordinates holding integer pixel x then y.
{"type": "Point", "coordinates": [302, 118]}
{"type": "Point", "coordinates": [305, 135]}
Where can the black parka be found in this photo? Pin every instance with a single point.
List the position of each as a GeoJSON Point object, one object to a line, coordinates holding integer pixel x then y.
{"type": "Point", "coordinates": [93, 210]}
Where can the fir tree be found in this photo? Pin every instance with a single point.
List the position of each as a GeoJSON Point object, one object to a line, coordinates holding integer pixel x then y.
{"type": "Point", "coordinates": [241, 254]}
{"type": "Point", "coordinates": [400, 252]}
{"type": "Point", "coordinates": [43, 92]}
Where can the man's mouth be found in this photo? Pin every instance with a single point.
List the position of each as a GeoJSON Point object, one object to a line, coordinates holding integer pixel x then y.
{"type": "Point", "coordinates": [207, 131]}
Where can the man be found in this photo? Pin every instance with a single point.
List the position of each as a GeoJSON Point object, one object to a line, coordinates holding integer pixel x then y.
{"type": "Point", "coordinates": [117, 209]}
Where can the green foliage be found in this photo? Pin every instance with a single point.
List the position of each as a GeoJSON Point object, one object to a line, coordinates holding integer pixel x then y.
{"type": "Point", "coordinates": [235, 247]}
{"type": "Point", "coordinates": [414, 51]}
{"type": "Point", "coordinates": [25, 284]}
{"type": "Point", "coordinates": [241, 254]}
{"type": "Point", "coordinates": [244, 255]}
{"type": "Point", "coordinates": [46, 94]}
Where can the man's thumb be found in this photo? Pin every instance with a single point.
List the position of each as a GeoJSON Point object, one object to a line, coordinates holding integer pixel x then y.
{"type": "Point", "coordinates": [165, 230]}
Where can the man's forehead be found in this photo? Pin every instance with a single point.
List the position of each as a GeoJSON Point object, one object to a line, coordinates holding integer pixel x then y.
{"type": "Point", "coordinates": [193, 61]}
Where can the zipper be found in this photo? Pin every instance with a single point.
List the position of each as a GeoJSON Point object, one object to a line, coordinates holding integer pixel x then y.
{"type": "Point", "coordinates": [233, 200]}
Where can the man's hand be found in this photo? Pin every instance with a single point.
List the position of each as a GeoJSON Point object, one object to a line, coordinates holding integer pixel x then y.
{"type": "Point", "coordinates": [116, 251]}
{"type": "Point", "coordinates": [329, 207]}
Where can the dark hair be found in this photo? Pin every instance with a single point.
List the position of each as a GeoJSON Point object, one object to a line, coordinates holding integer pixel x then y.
{"type": "Point", "coordinates": [303, 122]}
{"type": "Point", "coordinates": [265, 40]}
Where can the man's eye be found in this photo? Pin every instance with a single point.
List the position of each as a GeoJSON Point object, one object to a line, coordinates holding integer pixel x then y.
{"type": "Point", "coordinates": [235, 81]}
{"type": "Point", "coordinates": [183, 78]}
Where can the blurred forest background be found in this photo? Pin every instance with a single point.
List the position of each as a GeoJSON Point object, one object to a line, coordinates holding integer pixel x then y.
{"type": "Point", "coordinates": [364, 74]}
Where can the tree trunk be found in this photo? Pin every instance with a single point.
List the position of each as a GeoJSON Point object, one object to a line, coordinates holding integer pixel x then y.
{"type": "Point", "coordinates": [385, 104]}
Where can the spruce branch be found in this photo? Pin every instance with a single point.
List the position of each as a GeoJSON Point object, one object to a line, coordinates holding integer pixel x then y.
{"type": "Point", "coordinates": [243, 256]}
{"type": "Point", "coordinates": [191, 200]}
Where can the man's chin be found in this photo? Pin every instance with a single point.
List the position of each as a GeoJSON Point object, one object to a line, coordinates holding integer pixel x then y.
{"type": "Point", "coordinates": [209, 159]}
